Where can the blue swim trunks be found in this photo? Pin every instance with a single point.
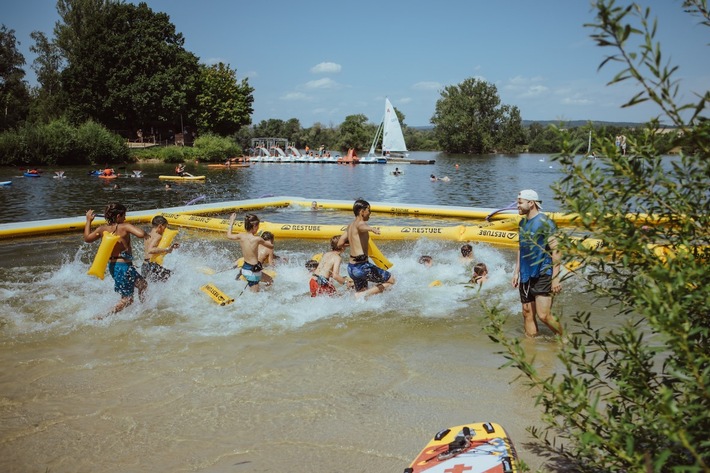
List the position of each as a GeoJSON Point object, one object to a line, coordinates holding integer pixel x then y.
{"type": "Point", "coordinates": [252, 273]}
{"type": "Point", "coordinates": [361, 273]}
{"type": "Point", "coordinates": [125, 276]}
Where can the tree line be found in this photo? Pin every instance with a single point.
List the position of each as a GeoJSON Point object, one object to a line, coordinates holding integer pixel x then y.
{"type": "Point", "coordinates": [124, 67]}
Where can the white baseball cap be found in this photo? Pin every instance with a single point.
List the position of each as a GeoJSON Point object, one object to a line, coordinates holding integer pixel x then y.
{"type": "Point", "coordinates": [529, 194]}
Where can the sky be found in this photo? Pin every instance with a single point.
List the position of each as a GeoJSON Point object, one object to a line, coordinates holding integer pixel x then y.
{"type": "Point", "coordinates": [320, 61]}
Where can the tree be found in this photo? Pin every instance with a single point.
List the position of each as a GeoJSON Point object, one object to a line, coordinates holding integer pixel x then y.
{"type": "Point", "coordinates": [634, 397]}
{"type": "Point", "coordinates": [224, 105]}
{"type": "Point", "coordinates": [47, 104]}
{"type": "Point", "coordinates": [469, 119]}
{"type": "Point", "coordinates": [14, 96]}
{"type": "Point", "coordinates": [355, 133]}
{"type": "Point", "coordinates": [125, 64]}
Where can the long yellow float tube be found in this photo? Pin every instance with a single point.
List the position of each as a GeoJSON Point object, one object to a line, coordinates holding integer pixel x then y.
{"type": "Point", "coordinates": [481, 233]}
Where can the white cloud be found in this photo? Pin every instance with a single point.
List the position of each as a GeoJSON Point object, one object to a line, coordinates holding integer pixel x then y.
{"type": "Point", "coordinates": [326, 68]}
{"type": "Point", "coordinates": [576, 101]}
{"type": "Point", "coordinates": [325, 83]}
{"type": "Point", "coordinates": [404, 100]}
{"type": "Point", "coordinates": [295, 96]}
{"type": "Point", "coordinates": [430, 85]}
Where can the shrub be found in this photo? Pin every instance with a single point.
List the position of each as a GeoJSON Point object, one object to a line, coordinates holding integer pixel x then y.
{"type": "Point", "coordinates": [634, 397]}
{"type": "Point", "coordinates": [214, 148]}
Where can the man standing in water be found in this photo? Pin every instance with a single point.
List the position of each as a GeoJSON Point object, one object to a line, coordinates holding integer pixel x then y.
{"type": "Point", "coordinates": [120, 266]}
{"type": "Point", "coordinates": [359, 268]}
{"type": "Point", "coordinates": [537, 271]}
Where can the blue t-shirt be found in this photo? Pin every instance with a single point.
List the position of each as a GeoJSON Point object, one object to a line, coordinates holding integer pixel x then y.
{"type": "Point", "coordinates": [535, 257]}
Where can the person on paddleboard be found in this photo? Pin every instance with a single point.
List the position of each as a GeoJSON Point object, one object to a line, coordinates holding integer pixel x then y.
{"type": "Point", "coordinates": [249, 242]}
{"type": "Point", "coordinates": [125, 275]}
{"type": "Point", "coordinates": [328, 269]}
{"type": "Point", "coordinates": [151, 270]}
{"type": "Point", "coordinates": [360, 269]}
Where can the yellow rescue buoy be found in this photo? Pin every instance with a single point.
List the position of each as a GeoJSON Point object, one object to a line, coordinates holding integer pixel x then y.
{"type": "Point", "coordinates": [165, 241]}
{"type": "Point", "coordinates": [377, 257]}
{"type": "Point", "coordinates": [218, 296]}
{"type": "Point", "coordinates": [98, 267]}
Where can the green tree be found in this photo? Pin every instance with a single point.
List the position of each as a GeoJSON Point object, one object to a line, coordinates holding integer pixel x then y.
{"type": "Point", "coordinates": [48, 103]}
{"type": "Point", "coordinates": [224, 105]}
{"type": "Point", "coordinates": [125, 64]}
{"type": "Point", "coordinates": [469, 119]}
{"type": "Point", "coordinates": [634, 397]}
{"type": "Point", "coordinates": [355, 133]}
{"type": "Point", "coordinates": [14, 96]}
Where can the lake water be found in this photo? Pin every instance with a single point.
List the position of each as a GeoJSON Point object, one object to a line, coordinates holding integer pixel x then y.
{"type": "Point", "coordinates": [277, 381]}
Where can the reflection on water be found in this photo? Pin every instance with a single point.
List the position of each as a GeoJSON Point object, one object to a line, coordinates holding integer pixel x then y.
{"type": "Point", "coordinates": [277, 379]}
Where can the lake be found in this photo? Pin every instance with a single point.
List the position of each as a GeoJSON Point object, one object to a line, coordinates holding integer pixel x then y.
{"type": "Point", "coordinates": [277, 381]}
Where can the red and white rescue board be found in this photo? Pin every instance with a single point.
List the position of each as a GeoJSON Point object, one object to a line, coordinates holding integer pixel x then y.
{"type": "Point", "coordinates": [480, 447]}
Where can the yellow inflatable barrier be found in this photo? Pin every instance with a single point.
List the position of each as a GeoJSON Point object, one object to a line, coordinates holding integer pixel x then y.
{"type": "Point", "coordinates": [98, 267]}
{"type": "Point", "coordinates": [218, 296]}
{"type": "Point", "coordinates": [165, 242]}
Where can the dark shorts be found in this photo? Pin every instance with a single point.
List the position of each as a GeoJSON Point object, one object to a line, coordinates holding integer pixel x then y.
{"type": "Point", "coordinates": [361, 273]}
{"type": "Point", "coordinates": [124, 276]}
{"type": "Point", "coordinates": [154, 272]}
{"type": "Point", "coordinates": [539, 286]}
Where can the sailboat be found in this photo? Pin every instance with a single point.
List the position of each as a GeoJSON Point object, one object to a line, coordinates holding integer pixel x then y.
{"type": "Point", "coordinates": [392, 138]}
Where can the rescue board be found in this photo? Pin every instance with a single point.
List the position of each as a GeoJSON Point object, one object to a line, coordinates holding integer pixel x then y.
{"type": "Point", "coordinates": [479, 447]}
{"type": "Point", "coordinates": [218, 296]}
{"type": "Point", "coordinates": [182, 178]}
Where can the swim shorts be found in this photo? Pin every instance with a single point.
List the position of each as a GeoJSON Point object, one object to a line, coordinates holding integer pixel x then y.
{"type": "Point", "coordinates": [539, 286]}
{"type": "Point", "coordinates": [124, 276]}
{"type": "Point", "coordinates": [361, 273]}
{"type": "Point", "coordinates": [252, 273]}
{"type": "Point", "coordinates": [321, 285]}
{"type": "Point", "coordinates": [154, 272]}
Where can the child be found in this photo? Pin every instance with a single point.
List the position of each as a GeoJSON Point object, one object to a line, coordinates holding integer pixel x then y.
{"type": "Point", "coordinates": [426, 260]}
{"type": "Point", "coordinates": [480, 274]}
{"type": "Point", "coordinates": [466, 253]}
{"type": "Point", "coordinates": [126, 277]}
{"type": "Point", "coordinates": [328, 267]}
{"type": "Point", "coordinates": [249, 243]}
{"type": "Point", "coordinates": [152, 271]}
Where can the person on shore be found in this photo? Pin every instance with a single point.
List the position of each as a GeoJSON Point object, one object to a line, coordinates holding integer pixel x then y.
{"type": "Point", "coordinates": [151, 270]}
{"type": "Point", "coordinates": [537, 269]}
{"type": "Point", "coordinates": [328, 269]}
{"type": "Point", "coordinates": [360, 270]}
{"type": "Point", "coordinates": [249, 242]}
{"type": "Point", "coordinates": [125, 275]}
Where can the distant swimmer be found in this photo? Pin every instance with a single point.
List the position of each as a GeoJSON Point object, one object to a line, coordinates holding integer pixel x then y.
{"type": "Point", "coordinates": [328, 269]}
{"type": "Point", "coordinates": [249, 242]}
{"type": "Point", "coordinates": [360, 269]}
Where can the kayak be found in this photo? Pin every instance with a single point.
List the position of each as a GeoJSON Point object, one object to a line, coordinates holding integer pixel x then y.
{"type": "Point", "coordinates": [5, 183]}
{"type": "Point", "coordinates": [31, 174]}
{"type": "Point", "coordinates": [110, 176]}
{"type": "Point", "coordinates": [182, 178]}
{"type": "Point", "coordinates": [479, 447]}
{"type": "Point", "coordinates": [224, 166]}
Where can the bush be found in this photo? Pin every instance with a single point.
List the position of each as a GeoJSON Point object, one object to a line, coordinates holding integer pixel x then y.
{"type": "Point", "coordinates": [633, 397]}
{"type": "Point", "coordinates": [214, 148]}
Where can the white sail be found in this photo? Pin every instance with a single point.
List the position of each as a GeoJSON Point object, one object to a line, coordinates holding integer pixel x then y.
{"type": "Point", "coordinates": [392, 137]}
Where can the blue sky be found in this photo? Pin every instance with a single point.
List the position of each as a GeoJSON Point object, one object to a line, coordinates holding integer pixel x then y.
{"type": "Point", "coordinates": [320, 61]}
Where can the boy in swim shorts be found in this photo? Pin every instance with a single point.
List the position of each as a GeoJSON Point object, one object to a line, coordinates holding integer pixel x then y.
{"type": "Point", "coordinates": [125, 275]}
{"type": "Point", "coordinates": [357, 235]}
{"type": "Point", "coordinates": [151, 270]}
{"type": "Point", "coordinates": [328, 268]}
{"type": "Point", "coordinates": [249, 242]}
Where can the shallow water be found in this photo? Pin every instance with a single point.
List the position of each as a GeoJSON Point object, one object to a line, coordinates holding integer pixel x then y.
{"type": "Point", "coordinates": [277, 381]}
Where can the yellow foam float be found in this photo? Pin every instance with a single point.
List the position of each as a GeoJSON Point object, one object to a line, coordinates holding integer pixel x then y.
{"type": "Point", "coordinates": [216, 294]}
{"type": "Point", "coordinates": [98, 267]}
{"type": "Point", "coordinates": [165, 242]}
